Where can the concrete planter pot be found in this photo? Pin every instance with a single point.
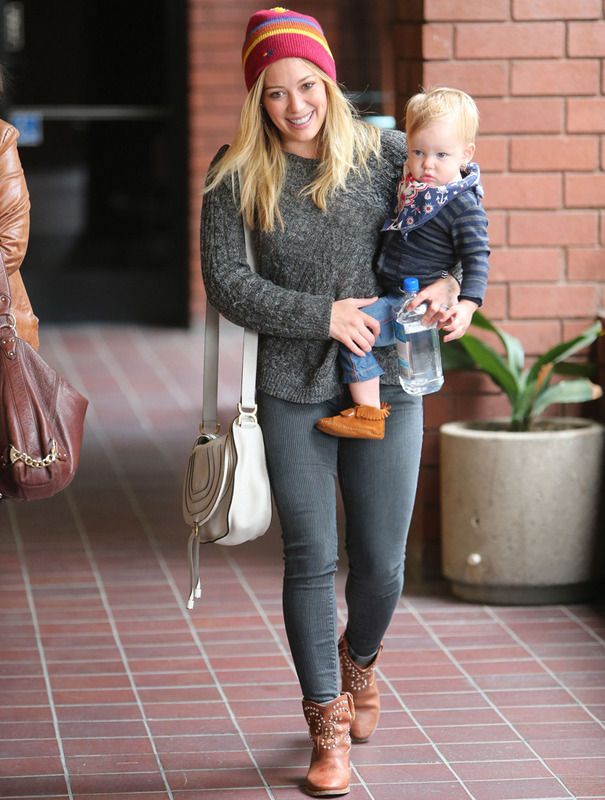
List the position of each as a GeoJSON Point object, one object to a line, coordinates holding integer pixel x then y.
{"type": "Point", "coordinates": [522, 513]}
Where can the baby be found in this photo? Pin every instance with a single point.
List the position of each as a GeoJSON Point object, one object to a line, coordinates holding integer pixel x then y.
{"type": "Point", "coordinates": [438, 223]}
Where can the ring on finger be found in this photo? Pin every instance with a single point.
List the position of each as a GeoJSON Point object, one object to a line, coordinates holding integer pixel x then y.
{"type": "Point", "coordinates": [445, 308]}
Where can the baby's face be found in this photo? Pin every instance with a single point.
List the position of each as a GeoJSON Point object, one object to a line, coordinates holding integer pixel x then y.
{"type": "Point", "coordinates": [436, 153]}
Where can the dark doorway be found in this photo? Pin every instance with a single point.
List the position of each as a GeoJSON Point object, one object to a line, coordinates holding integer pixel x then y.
{"type": "Point", "coordinates": [98, 88]}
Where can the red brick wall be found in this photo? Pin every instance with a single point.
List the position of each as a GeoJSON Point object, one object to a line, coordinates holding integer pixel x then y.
{"type": "Point", "coordinates": [216, 92]}
{"type": "Point", "coordinates": [537, 71]}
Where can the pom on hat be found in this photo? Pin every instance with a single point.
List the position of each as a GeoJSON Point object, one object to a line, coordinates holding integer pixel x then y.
{"type": "Point", "coordinates": [280, 33]}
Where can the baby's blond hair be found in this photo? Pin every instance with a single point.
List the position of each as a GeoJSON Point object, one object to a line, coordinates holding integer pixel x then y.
{"type": "Point", "coordinates": [430, 105]}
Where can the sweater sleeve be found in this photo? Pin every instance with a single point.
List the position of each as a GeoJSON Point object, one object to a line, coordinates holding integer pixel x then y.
{"type": "Point", "coordinates": [469, 233]}
{"type": "Point", "coordinates": [245, 297]}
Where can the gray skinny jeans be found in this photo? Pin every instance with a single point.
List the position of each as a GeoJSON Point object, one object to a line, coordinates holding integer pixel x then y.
{"type": "Point", "coordinates": [378, 481]}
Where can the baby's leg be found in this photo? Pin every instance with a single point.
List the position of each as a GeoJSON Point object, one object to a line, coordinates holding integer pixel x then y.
{"type": "Point", "coordinates": [366, 393]}
{"type": "Point", "coordinates": [362, 375]}
{"type": "Point", "coordinates": [359, 422]}
{"type": "Point", "coordinates": [365, 420]}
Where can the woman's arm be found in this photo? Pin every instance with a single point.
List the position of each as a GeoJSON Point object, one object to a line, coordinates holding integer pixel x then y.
{"type": "Point", "coordinates": [245, 297]}
{"type": "Point", "coordinates": [14, 201]}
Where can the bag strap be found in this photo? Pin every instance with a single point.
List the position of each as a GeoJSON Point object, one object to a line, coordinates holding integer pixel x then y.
{"type": "Point", "coordinates": [7, 318]}
{"type": "Point", "coordinates": [247, 404]}
{"type": "Point", "coordinates": [5, 289]}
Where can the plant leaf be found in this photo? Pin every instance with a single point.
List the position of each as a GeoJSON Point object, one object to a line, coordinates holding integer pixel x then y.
{"type": "Point", "coordinates": [514, 349]}
{"type": "Point", "coordinates": [543, 378]}
{"type": "Point", "coordinates": [491, 362]}
{"type": "Point", "coordinates": [576, 391]}
{"type": "Point", "coordinates": [574, 368]}
{"type": "Point", "coordinates": [566, 349]}
{"type": "Point", "coordinates": [454, 356]}
{"type": "Point", "coordinates": [533, 388]}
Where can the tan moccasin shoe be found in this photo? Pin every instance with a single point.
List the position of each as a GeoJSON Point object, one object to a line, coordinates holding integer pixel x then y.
{"type": "Point", "coordinates": [359, 422]}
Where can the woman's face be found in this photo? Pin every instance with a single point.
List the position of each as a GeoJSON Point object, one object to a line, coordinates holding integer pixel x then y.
{"type": "Point", "coordinates": [295, 99]}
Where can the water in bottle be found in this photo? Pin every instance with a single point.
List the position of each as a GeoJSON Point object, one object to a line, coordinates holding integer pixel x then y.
{"type": "Point", "coordinates": [418, 350]}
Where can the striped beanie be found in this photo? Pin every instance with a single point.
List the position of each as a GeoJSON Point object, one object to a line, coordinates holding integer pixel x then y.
{"type": "Point", "coordinates": [279, 33]}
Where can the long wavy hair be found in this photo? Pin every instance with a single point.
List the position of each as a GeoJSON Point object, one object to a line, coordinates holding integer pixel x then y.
{"type": "Point", "coordinates": [345, 146]}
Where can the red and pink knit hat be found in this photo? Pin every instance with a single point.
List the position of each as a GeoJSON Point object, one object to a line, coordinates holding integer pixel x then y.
{"type": "Point", "coordinates": [279, 33]}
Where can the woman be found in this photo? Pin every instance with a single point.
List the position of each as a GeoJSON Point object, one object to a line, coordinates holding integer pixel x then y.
{"type": "Point", "coordinates": [14, 229]}
{"type": "Point", "coordinates": [317, 185]}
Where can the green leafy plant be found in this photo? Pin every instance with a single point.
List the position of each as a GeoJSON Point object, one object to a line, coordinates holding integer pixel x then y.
{"type": "Point", "coordinates": [530, 389]}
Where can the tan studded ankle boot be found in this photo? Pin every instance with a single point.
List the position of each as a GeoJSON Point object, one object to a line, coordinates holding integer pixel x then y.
{"type": "Point", "coordinates": [361, 683]}
{"type": "Point", "coordinates": [329, 730]}
{"type": "Point", "coordinates": [359, 422]}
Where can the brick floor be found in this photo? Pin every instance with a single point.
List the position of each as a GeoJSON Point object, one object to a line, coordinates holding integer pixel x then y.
{"type": "Point", "coordinates": [109, 687]}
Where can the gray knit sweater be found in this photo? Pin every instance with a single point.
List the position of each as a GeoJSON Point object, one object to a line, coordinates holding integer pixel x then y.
{"type": "Point", "coordinates": [319, 257]}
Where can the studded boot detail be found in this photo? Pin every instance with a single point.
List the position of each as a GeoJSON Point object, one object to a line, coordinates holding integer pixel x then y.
{"type": "Point", "coordinates": [361, 683]}
{"type": "Point", "coordinates": [329, 730]}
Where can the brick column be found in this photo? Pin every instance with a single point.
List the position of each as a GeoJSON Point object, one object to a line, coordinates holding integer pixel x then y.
{"type": "Point", "coordinates": [536, 69]}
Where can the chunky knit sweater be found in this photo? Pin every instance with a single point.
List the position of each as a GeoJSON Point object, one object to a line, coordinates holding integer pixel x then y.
{"type": "Point", "coordinates": [319, 257]}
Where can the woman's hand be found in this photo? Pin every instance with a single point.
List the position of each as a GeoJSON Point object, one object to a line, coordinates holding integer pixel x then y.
{"type": "Point", "coordinates": [352, 327]}
{"type": "Point", "coordinates": [439, 296]}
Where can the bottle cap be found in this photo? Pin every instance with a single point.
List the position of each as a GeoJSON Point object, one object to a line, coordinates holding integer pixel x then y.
{"type": "Point", "coordinates": [410, 285]}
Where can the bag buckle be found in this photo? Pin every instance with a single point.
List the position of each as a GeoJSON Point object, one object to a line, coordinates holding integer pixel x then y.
{"type": "Point", "coordinates": [8, 339]}
{"type": "Point", "coordinates": [204, 432]}
{"type": "Point", "coordinates": [247, 415]}
{"type": "Point", "coordinates": [10, 323]}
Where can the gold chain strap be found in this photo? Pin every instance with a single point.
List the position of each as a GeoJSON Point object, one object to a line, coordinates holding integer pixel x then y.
{"type": "Point", "coordinates": [16, 455]}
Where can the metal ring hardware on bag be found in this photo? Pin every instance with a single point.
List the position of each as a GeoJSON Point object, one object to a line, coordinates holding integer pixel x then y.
{"type": "Point", "coordinates": [246, 415]}
{"type": "Point", "coordinates": [8, 342]}
{"type": "Point", "coordinates": [12, 322]}
{"type": "Point", "coordinates": [204, 432]}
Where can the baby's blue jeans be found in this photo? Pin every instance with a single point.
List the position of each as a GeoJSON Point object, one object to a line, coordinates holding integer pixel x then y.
{"type": "Point", "coordinates": [356, 369]}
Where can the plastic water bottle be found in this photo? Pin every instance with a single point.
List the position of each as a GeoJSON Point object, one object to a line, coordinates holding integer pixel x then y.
{"type": "Point", "coordinates": [420, 370]}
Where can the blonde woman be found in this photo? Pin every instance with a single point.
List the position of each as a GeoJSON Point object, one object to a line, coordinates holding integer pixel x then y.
{"type": "Point", "coordinates": [317, 185]}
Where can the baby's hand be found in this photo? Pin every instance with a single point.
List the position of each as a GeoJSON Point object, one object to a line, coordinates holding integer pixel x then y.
{"type": "Point", "coordinates": [458, 319]}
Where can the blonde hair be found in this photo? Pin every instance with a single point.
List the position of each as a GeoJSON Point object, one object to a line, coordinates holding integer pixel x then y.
{"type": "Point", "coordinates": [428, 106]}
{"type": "Point", "coordinates": [345, 146]}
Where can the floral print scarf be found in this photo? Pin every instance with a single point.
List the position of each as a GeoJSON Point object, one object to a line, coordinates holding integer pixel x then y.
{"type": "Point", "coordinates": [418, 202]}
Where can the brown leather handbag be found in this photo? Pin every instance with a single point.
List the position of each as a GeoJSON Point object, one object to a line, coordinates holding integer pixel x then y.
{"type": "Point", "coordinates": [41, 416]}
{"type": "Point", "coordinates": [21, 309]}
